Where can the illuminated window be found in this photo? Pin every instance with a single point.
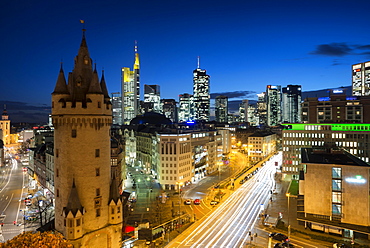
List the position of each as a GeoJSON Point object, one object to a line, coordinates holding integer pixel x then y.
{"type": "Point", "coordinates": [336, 209]}
{"type": "Point", "coordinates": [336, 197]}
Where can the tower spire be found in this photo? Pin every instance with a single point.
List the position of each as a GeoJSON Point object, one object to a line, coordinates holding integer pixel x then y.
{"type": "Point", "coordinates": [198, 62]}
{"type": "Point", "coordinates": [137, 61]}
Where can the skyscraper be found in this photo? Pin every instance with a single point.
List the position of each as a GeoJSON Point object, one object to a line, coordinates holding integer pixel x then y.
{"type": "Point", "coordinates": [221, 109]}
{"type": "Point", "coordinates": [262, 109]}
{"type": "Point", "coordinates": [170, 109]}
{"type": "Point", "coordinates": [88, 207]}
{"type": "Point", "coordinates": [186, 107]}
{"type": "Point", "coordinates": [201, 94]}
{"type": "Point", "coordinates": [292, 98]}
{"type": "Point", "coordinates": [361, 79]}
{"type": "Point", "coordinates": [152, 98]}
{"type": "Point", "coordinates": [273, 96]}
{"type": "Point", "coordinates": [243, 111]}
{"type": "Point", "coordinates": [131, 90]}
{"type": "Point", "coordinates": [116, 100]}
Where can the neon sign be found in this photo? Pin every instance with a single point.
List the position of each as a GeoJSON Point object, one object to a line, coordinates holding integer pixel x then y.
{"type": "Point", "coordinates": [357, 179]}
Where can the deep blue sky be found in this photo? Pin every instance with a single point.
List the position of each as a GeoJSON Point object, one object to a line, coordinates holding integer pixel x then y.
{"type": "Point", "coordinates": [244, 45]}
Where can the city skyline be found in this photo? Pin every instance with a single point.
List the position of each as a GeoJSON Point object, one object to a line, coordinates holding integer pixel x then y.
{"type": "Point", "coordinates": [240, 43]}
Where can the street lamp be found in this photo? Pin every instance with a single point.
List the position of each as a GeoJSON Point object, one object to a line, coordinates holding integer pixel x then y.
{"type": "Point", "coordinates": [288, 195]}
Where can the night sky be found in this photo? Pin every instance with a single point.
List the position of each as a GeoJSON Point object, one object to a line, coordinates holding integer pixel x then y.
{"type": "Point", "coordinates": [243, 45]}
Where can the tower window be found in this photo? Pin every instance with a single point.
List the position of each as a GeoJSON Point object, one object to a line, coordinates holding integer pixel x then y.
{"type": "Point", "coordinates": [57, 173]}
{"type": "Point", "coordinates": [97, 172]}
{"type": "Point", "coordinates": [97, 153]}
{"type": "Point", "coordinates": [99, 104]}
{"type": "Point", "coordinates": [57, 152]}
{"type": "Point", "coordinates": [57, 192]}
{"type": "Point", "coordinates": [97, 212]}
{"type": "Point", "coordinates": [112, 210]}
{"type": "Point", "coordinates": [98, 192]}
{"type": "Point", "coordinates": [78, 222]}
{"type": "Point", "coordinates": [74, 133]}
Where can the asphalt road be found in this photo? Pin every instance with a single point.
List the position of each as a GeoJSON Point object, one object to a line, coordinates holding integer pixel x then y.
{"type": "Point", "coordinates": [11, 190]}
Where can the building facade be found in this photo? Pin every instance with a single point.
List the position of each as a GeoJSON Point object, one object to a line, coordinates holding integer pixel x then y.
{"type": "Point", "coordinates": [88, 207]}
{"type": "Point", "coordinates": [152, 98]}
{"type": "Point", "coordinates": [170, 109]}
{"type": "Point", "coordinates": [261, 145]}
{"type": "Point", "coordinates": [273, 104]}
{"type": "Point", "coordinates": [291, 104]}
{"type": "Point", "coordinates": [131, 91]}
{"type": "Point", "coordinates": [354, 137]}
{"type": "Point", "coordinates": [361, 79]}
{"type": "Point", "coordinates": [186, 107]}
{"type": "Point", "coordinates": [334, 193]}
{"type": "Point", "coordinates": [201, 93]}
{"type": "Point", "coordinates": [116, 100]}
{"type": "Point", "coordinates": [262, 109]}
{"type": "Point", "coordinates": [221, 109]}
{"type": "Point", "coordinates": [337, 107]}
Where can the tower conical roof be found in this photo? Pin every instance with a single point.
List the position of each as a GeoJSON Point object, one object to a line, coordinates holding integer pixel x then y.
{"type": "Point", "coordinates": [137, 60]}
{"type": "Point", "coordinates": [94, 84]}
{"type": "Point", "coordinates": [114, 193]}
{"type": "Point", "coordinates": [61, 85]}
{"type": "Point", "coordinates": [103, 86]}
{"type": "Point", "coordinates": [74, 203]}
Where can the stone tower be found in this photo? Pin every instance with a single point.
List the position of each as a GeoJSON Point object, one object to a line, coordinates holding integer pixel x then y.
{"type": "Point", "coordinates": [88, 208]}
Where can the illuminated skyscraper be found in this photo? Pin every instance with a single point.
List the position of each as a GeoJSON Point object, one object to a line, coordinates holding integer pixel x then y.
{"type": "Point", "coordinates": [292, 98]}
{"type": "Point", "coordinates": [116, 100]}
{"type": "Point", "coordinates": [131, 90]}
{"type": "Point", "coordinates": [186, 107]}
{"type": "Point", "coordinates": [170, 109]}
{"type": "Point", "coordinates": [262, 109]}
{"type": "Point", "coordinates": [361, 79]}
{"type": "Point", "coordinates": [152, 98]}
{"type": "Point", "coordinates": [201, 94]}
{"type": "Point", "coordinates": [221, 109]}
{"type": "Point", "coordinates": [273, 97]}
{"type": "Point", "coordinates": [243, 111]}
{"type": "Point", "coordinates": [88, 207]}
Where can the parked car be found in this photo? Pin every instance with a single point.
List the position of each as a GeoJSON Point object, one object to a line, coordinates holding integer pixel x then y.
{"type": "Point", "coordinates": [196, 202]}
{"type": "Point", "coordinates": [187, 202]}
{"type": "Point", "coordinates": [279, 237]}
{"type": "Point", "coordinates": [214, 202]}
{"type": "Point", "coordinates": [283, 245]}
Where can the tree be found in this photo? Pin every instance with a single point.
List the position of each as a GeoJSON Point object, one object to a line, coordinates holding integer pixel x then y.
{"type": "Point", "coordinates": [39, 240]}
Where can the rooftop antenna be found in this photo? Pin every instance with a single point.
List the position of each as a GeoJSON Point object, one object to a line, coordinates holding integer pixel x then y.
{"type": "Point", "coordinates": [198, 62]}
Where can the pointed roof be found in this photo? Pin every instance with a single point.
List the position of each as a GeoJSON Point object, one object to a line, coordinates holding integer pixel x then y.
{"type": "Point", "coordinates": [61, 85]}
{"type": "Point", "coordinates": [95, 85]}
{"type": "Point", "coordinates": [74, 203]}
{"type": "Point", "coordinates": [113, 192]}
{"type": "Point", "coordinates": [103, 86]}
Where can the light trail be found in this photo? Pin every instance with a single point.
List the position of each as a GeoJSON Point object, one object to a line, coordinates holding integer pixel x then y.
{"type": "Point", "coordinates": [230, 223]}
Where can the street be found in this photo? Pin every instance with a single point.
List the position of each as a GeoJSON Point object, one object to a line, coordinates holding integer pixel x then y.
{"type": "Point", "coordinates": [11, 191]}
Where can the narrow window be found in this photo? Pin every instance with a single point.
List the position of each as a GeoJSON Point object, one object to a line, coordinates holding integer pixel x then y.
{"type": "Point", "coordinates": [97, 153]}
{"type": "Point", "coordinates": [99, 104]}
{"type": "Point", "coordinates": [118, 209]}
{"type": "Point", "coordinates": [98, 212]}
{"type": "Point", "coordinates": [97, 172]}
{"type": "Point", "coordinates": [78, 222]}
{"type": "Point", "coordinates": [57, 192]}
{"type": "Point", "coordinates": [74, 133]}
{"type": "Point", "coordinates": [112, 210]}
{"type": "Point", "coordinates": [57, 152]}
{"type": "Point", "coordinates": [98, 192]}
{"type": "Point", "coordinates": [57, 172]}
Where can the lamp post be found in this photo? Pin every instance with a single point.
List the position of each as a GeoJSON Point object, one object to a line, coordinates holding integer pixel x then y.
{"type": "Point", "coordinates": [288, 195]}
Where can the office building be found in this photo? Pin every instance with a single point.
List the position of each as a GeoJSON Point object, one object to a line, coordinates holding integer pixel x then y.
{"type": "Point", "coordinates": [131, 90]}
{"type": "Point", "coordinates": [261, 145]}
{"type": "Point", "coordinates": [337, 107]}
{"type": "Point", "coordinates": [273, 104]}
{"type": "Point", "coordinates": [354, 137]}
{"type": "Point", "coordinates": [201, 84]}
{"type": "Point", "coordinates": [262, 109]}
{"type": "Point", "coordinates": [186, 107]}
{"type": "Point", "coordinates": [170, 109]}
{"type": "Point", "coordinates": [88, 207]}
{"type": "Point", "coordinates": [5, 128]}
{"type": "Point", "coordinates": [152, 98]}
{"type": "Point", "coordinates": [361, 79]}
{"type": "Point", "coordinates": [243, 111]}
{"type": "Point", "coordinates": [221, 109]}
{"type": "Point", "coordinates": [116, 100]}
{"type": "Point", "coordinates": [334, 193]}
{"type": "Point", "coordinates": [291, 104]}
